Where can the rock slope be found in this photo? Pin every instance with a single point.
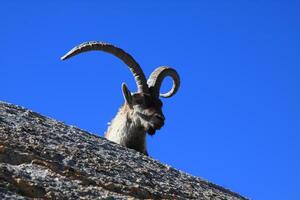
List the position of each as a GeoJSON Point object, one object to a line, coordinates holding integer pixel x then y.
{"type": "Point", "coordinates": [44, 158]}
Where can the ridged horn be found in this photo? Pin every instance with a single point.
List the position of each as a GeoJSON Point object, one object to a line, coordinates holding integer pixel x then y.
{"type": "Point", "coordinates": [156, 78]}
{"type": "Point", "coordinates": [134, 67]}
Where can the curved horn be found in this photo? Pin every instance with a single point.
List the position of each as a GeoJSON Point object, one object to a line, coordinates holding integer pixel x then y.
{"type": "Point", "coordinates": [134, 67]}
{"type": "Point", "coordinates": [156, 78]}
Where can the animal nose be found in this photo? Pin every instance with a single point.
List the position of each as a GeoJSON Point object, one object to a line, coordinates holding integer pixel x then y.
{"type": "Point", "coordinates": [160, 117]}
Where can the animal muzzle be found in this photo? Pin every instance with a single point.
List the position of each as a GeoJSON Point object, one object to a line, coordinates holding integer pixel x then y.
{"type": "Point", "coordinates": [157, 122]}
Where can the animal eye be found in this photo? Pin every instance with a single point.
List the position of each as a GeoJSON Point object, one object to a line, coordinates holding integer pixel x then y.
{"type": "Point", "coordinates": [145, 101]}
{"type": "Point", "coordinates": [139, 100]}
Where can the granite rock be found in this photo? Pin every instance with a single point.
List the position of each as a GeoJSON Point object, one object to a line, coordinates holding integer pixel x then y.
{"type": "Point", "coordinates": [43, 158]}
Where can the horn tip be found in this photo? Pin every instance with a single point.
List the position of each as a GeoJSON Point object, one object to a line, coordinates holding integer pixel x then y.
{"type": "Point", "coordinates": [64, 57]}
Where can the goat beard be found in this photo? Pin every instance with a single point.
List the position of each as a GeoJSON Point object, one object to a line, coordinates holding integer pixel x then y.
{"type": "Point", "coordinates": [151, 131]}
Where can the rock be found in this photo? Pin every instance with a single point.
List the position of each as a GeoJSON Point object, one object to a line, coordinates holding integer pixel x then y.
{"type": "Point", "coordinates": [44, 158]}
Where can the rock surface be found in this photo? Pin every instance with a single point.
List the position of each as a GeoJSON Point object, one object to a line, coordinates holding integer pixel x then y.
{"type": "Point", "coordinates": [44, 158]}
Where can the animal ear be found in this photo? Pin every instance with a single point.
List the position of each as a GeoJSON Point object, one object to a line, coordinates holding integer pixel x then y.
{"type": "Point", "coordinates": [127, 94]}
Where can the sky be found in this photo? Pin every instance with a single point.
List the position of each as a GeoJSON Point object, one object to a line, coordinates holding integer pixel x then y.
{"type": "Point", "coordinates": [235, 119]}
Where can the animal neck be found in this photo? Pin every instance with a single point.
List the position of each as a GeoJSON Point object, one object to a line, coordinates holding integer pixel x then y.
{"type": "Point", "coordinates": [125, 131]}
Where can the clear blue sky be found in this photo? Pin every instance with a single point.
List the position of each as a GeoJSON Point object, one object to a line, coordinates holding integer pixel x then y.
{"type": "Point", "coordinates": [236, 118]}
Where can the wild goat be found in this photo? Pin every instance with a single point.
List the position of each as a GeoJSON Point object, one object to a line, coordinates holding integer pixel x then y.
{"type": "Point", "coordinates": [142, 111]}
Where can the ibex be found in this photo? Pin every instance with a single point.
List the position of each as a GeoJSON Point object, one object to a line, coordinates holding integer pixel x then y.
{"type": "Point", "coordinates": [142, 111]}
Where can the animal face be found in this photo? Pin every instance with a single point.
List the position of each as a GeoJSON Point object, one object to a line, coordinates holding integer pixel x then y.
{"type": "Point", "coordinates": [147, 110]}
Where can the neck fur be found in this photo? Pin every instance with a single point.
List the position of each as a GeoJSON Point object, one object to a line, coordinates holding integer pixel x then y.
{"type": "Point", "coordinates": [127, 132]}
